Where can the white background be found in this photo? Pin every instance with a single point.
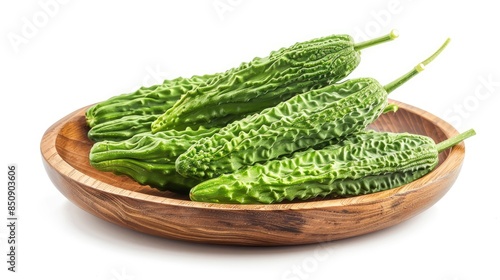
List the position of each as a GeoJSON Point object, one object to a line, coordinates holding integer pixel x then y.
{"type": "Point", "coordinates": [61, 56]}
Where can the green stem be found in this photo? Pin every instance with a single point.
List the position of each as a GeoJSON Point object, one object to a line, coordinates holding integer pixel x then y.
{"type": "Point", "coordinates": [389, 37]}
{"type": "Point", "coordinates": [392, 108]}
{"type": "Point", "coordinates": [417, 69]}
{"type": "Point", "coordinates": [448, 143]}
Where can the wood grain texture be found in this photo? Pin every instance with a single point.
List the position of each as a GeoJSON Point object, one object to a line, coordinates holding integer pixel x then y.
{"type": "Point", "coordinates": [120, 200]}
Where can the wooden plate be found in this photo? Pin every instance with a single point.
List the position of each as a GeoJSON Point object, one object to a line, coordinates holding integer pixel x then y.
{"type": "Point", "coordinates": [120, 200]}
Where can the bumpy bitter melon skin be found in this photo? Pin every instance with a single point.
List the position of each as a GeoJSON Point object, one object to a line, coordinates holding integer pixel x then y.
{"type": "Point", "coordinates": [144, 101]}
{"type": "Point", "coordinates": [360, 164]}
{"type": "Point", "coordinates": [303, 121]}
{"type": "Point", "coordinates": [263, 82]}
{"type": "Point", "coordinates": [149, 158]}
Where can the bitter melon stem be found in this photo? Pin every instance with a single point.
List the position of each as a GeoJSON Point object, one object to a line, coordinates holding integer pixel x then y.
{"type": "Point", "coordinates": [392, 108]}
{"type": "Point", "coordinates": [375, 41]}
{"type": "Point", "coordinates": [417, 69]}
{"type": "Point", "coordinates": [448, 143]}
